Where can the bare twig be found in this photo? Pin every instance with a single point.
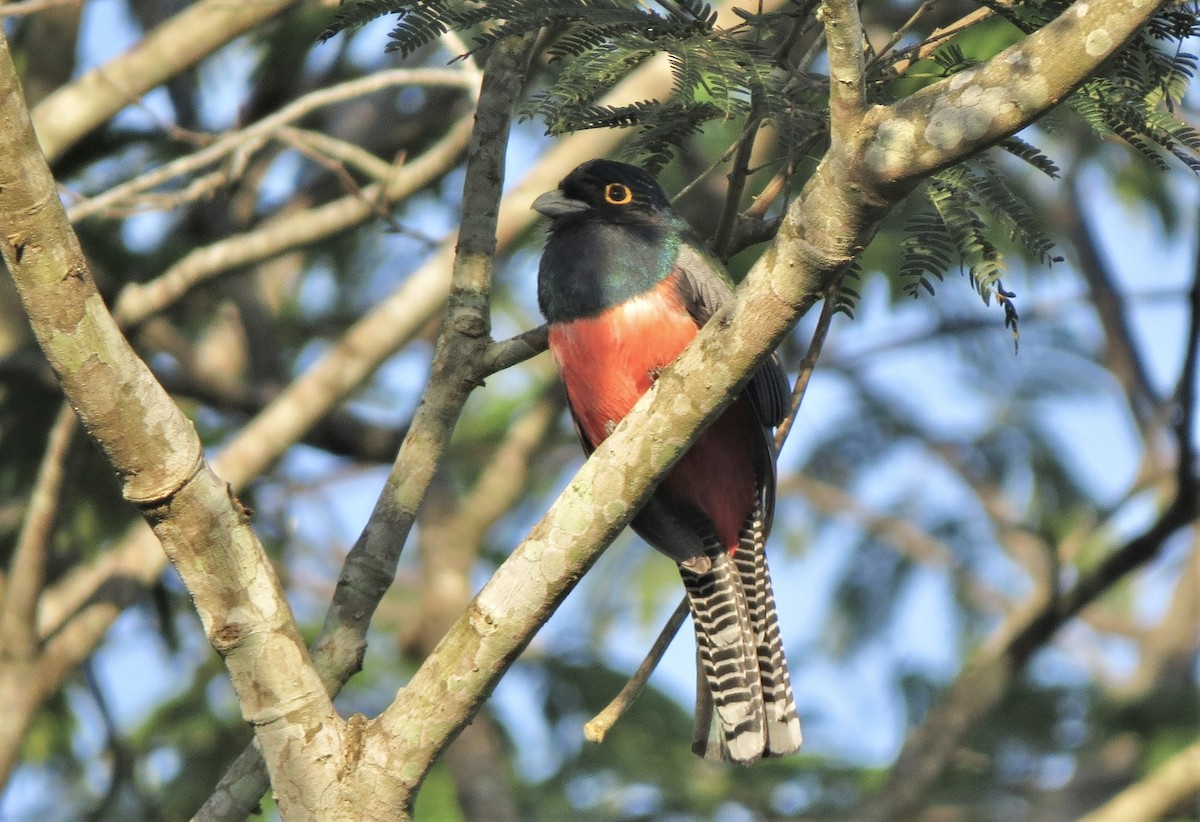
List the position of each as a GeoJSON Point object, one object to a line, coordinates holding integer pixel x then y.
{"type": "Point", "coordinates": [138, 301]}
{"type": "Point", "coordinates": [737, 184]}
{"type": "Point", "coordinates": [72, 111]}
{"type": "Point", "coordinates": [808, 365]}
{"type": "Point", "coordinates": [598, 726]}
{"type": "Point", "coordinates": [249, 139]}
{"type": "Point", "coordinates": [510, 352]}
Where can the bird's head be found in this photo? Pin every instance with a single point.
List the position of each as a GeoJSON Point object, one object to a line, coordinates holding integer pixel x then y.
{"type": "Point", "coordinates": [605, 190]}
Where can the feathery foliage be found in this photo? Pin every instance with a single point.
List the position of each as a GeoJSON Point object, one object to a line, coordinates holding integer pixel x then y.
{"type": "Point", "coordinates": [731, 75]}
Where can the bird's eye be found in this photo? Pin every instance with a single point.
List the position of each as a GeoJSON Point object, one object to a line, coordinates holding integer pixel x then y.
{"type": "Point", "coordinates": [618, 194]}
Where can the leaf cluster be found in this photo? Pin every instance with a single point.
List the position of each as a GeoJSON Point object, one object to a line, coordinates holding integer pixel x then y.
{"type": "Point", "coordinates": [953, 228]}
{"type": "Point", "coordinates": [591, 45]}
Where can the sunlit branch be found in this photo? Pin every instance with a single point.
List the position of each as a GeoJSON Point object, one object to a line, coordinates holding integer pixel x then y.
{"type": "Point", "coordinates": [286, 232]}
{"type": "Point", "coordinates": [935, 40]}
{"type": "Point", "coordinates": [74, 614]}
{"type": "Point", "coordinates": [847, 91]}
{"type": "Point", "coordinates": [24, 8]}
{"type": "Point", "coordinates": [157, 456]}
{"type": "Point", "coordinates": [1154, 797]}
{"type": "Point", "coordinates": [515, 350]}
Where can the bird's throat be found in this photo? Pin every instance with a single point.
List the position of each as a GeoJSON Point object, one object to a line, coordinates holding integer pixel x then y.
{"type": "Point", "coordinates": [591, 267]}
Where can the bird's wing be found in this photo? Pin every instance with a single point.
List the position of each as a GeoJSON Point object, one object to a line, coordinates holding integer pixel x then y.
{"type": "Point", "coordinates": [706, 287]}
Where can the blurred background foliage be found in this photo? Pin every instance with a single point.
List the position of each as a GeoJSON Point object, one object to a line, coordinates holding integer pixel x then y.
{"type": "Point", "coordinates": [936, 485]}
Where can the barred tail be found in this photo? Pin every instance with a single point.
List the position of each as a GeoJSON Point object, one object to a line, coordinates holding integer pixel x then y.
{"type": "Point", "coordinates": [750, 558]}
{"type": "Point", "coordinates": [729, 696]}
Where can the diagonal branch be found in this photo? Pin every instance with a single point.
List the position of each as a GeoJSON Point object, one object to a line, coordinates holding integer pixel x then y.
{"type": "Point", "coordinates": [18, 610]}
{"type": "Point", "coordinates": [246, 140]}
{"type": "Point", "coordinates": [944, 122]}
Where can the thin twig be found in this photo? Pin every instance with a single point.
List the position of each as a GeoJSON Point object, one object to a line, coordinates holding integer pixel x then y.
{"type": "Point", "coordinates": [935, 40]}
{"type": "Point", "coordinates": [138, 301]}
{"type": "Point", "coordinates": [807, 365]}
{"type": "Point", "coordinates": [252, 137]}
{"type": "Point", "coordinates": [343, 151]}
{"type": "Point", "coordinates": [514, 350]}
{"type": "Point", "coordinates": [737, 183]}
{"type": "Point", "coordinates": [598, 727]}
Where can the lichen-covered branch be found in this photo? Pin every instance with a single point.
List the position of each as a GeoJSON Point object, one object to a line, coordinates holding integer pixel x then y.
{"type": "Point", "coordinates": [156, 454]}
{"type": "Point", "coordinates": [942, 123]}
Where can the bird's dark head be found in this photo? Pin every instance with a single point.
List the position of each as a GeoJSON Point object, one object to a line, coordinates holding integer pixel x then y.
{"type": "Point", "coordinates": [605, 190]}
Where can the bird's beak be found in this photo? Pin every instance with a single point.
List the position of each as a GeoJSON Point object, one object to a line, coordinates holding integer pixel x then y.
{"type": "Point", "coordinates": [556, 204]}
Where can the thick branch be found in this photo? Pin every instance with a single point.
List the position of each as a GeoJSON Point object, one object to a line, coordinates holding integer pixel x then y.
{"type": "Point", "coordinates": [395, 321]}
{"type": "Point", "coordinates": [942, 123]}
{"type": "Point", "coordinates": [847, 89]}
{"type": "Point", "coordinates": [156, 453]}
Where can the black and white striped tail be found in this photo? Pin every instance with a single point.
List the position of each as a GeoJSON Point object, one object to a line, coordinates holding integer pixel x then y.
{"type": "Point", "coordinates": [783, 724]}
{"type": "Point", "coordinates": [744, 704]}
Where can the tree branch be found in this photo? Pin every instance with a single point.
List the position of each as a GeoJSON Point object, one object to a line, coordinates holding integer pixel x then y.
{"type": "Point", "coordinates": [843, 44]}
{"type": "Point", "coordinates": [940, 124]}
{"type": "Point", "coordinates": [72, 111]}
{"type": "Point", "coordinates": [247, 140]}
{"type": "Point", "coordinates": [157, 456]}
{"type": "Point", "coordinates": [18, 610]}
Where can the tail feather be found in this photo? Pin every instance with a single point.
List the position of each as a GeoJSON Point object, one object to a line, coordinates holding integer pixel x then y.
{"type": "Point", "coordinates": [750, 558]}
{"type": "Point", "coordinates": [729, 691]}
{"type": "Point", "coordinates": [744, 704]}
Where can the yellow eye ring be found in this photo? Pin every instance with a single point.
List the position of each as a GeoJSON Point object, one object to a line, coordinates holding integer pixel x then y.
{"type": "Point", "coordinates": [618, 194]}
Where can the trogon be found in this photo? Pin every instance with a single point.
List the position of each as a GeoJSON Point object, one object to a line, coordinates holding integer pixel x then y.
{"type": "Point", "coordinates": [625, 284]}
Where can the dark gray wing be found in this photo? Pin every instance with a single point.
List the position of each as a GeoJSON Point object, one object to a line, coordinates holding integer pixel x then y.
{"type": "Point", "coordinates": [706, 287]}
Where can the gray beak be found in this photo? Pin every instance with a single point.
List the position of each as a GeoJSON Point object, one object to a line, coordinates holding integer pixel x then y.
{"type": "Point", "coordinates": [556, 204]}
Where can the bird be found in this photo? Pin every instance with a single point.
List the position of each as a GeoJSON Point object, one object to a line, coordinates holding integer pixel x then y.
{"type": "Point", "coordinates": [625, 284]}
